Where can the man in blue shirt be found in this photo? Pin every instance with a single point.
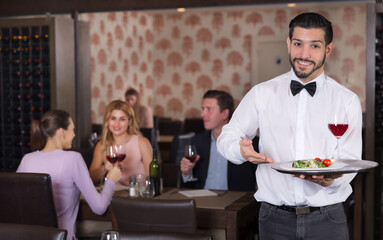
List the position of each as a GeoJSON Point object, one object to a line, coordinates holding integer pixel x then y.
{"type": "Point", "coordinates": [211, 170]}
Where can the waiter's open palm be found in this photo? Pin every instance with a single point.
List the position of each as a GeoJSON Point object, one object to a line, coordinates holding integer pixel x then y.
{"type": "Point", "coordinates": [248, 153]}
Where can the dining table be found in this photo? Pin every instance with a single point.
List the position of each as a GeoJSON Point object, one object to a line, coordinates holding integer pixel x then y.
{"type": "Point", "coordinates": [236, 212]}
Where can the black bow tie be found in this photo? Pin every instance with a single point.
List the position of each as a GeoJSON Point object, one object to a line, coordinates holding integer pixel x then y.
{"type": "Point", "coordinates": [296, 87]}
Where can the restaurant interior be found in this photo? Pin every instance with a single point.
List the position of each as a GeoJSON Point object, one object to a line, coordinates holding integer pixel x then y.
{"type": "Point", "coordinates": [86, 54]}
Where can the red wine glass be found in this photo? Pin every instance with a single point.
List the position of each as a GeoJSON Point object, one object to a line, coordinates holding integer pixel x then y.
{"type": "Point", "coordinates": [191, 155]}
{"type": "Point", "coordinates": [112, 153]}
{"type": "Point", "coordinates": [120, 152]}
{"type": "Point", "coordinates": [338, 125]}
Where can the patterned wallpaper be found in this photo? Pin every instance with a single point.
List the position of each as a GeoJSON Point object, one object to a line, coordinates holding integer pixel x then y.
{"type": "Point", "coordinates": [173, 58]}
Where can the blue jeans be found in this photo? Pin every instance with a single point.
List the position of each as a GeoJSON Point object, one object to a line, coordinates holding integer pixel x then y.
{"type": "Point", "coordinates": [329, 222]}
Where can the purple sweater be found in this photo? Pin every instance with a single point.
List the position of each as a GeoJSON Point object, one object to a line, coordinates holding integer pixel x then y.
{"type": "Point", "coordinates": [70, 177]}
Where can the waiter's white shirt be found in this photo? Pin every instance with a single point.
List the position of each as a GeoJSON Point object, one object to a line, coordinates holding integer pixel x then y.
{"type": "Point", "coordinates": [292, 128]}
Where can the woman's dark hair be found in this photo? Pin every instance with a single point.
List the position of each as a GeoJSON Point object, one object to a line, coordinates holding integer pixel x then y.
{"type": "Point", "coordinates": [224, 99]}
{"type": "Point", "coordinates": [312, 20]}
{"type": "Point", "coordinates": [131, 91]}
{"type": "Point", "coordinates": [49, 123]}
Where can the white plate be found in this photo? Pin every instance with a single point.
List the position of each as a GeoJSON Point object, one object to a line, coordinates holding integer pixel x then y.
{"type": "Point", "coordinates": [334, 165]}
{"type": "Point", "coordinates": [343, 166]}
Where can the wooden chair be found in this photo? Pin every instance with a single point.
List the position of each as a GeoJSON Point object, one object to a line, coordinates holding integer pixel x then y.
{"type": "Point", "coordinates": [170, 127]}
{"type": "Point", "coordinates": [170, 174]}
{"type": "Point", "coordinates": [155, 215]}
{"type": "Point", "coordinates": [27, 198]}
{"type": "Point", "coordinates": [193, 125]}
{"type": "Point", "coordinates": [150, 134]}
{"type": "Point", "coordinates": [10, 231]}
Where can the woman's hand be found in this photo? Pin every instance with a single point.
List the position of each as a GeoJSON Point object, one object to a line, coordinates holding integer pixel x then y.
{"type": "Point", "coordinates": [114, 174]}
{"type": "Point", "coordinates": [108, 166]}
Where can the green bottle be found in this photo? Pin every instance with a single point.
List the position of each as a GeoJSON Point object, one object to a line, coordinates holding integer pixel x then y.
{"type": "Point", "coordinates": [155, 174]}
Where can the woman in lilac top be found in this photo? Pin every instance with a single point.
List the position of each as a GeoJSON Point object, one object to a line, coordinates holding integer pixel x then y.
{"type": "Point", "coordinates": [68, 171]}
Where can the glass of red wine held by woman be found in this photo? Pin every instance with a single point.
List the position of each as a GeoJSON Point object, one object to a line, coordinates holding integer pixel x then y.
{"type": "Point", "coordinates": [191, 155]}
{"type": "Point", "coordinates": [338, 125]}
{"type": "Point", "coordinates": [114, 154]}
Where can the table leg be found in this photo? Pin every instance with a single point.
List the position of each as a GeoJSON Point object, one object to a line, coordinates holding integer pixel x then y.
{"type": "Point", "coordinates": [358, 206]}
{"type": "Point", "coordinates": [232, 226]}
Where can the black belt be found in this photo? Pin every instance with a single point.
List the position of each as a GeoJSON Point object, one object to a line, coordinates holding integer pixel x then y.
{"type": "Point", "coordinates": [299, 210]}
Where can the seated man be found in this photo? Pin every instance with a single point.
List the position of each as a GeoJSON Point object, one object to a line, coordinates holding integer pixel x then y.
{"type": "Point", "coordinates": [211, 170]}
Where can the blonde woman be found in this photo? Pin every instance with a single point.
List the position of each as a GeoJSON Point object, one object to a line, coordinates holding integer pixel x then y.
{"type": "Point", "coordinates": [120, 128]}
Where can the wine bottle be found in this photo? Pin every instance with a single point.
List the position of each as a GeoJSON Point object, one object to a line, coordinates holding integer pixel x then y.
{"type": "Point", "coordinates": [27, 61]}
{"type": "Point", "coordinates": [155, 174]}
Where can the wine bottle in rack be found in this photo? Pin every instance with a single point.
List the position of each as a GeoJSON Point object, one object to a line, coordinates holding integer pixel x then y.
{"type": "Point", "coordinates": [24, 97]}
{"type": "Point", "coordinates": [16, 39]}
{"type": "Point", "coordinates": [36, 72]}
{"type": "Point", "coordinates": [16, 62]}
{"type": "Point", "coordinates": [27, 73]}
{"type": "Point", "coordinates": [24, 108]}
{"type": "Point", "coordinates": [38, 97]}
{"type": "Point", "coordinates": [5, 50]}
{"type": "Point", "coordinates": [26, 61]}
{"type": "Point", "coordinates": [36, 35]}
{"type": "Point", "coordinates": [37, 84]}
{"type": "Point", "coordinates": [36, 50]}
{"type": "Point", "coordinates": [36, 61]}
{"type": "Point", "coordinates": [16, 51]}
{"type": "Point", "coordinates": [16, 73]}
{"type": "Point", "coordinates": [25, 119]}
{"type": "Point", "coordinates": [16, 85]}
{"type": "Point", "coordinates": [26, 51]}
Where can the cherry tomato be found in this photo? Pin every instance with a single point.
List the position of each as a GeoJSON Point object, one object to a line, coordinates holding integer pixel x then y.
{"type": "Point", "coordinates": [318, 159]}
{"type": "Point", "coordinates": [326, 162]}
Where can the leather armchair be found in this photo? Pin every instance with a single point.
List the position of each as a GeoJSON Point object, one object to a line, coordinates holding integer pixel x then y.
{"type": "Point", "coordinates": [27, 198]}
{"type": "Point", "coordinates": [155, 215]}
{"type": "Point", "coordinates": [163, 236]}
{"type": "Point", "coordinates": [11, 231]}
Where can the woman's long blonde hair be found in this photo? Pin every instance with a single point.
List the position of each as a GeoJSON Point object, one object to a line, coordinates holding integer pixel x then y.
{"type": "Point", "coordinates": [107, 136]}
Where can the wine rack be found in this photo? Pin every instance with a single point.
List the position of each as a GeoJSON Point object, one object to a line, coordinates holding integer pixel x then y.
{"type": "Point", "coordinates": [36, 74]}
{"type": "Point", "coordinates": [25, 79]}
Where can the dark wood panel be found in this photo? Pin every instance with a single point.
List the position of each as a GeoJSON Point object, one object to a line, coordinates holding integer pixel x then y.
{"type": "Point", "coordinates": [35, 7]}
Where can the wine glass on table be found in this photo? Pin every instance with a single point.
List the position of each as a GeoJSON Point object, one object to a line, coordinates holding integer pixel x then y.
{"type": "Point", "coordinates": [147, 188]}
{"type": "Point", "coordinates": [110, 235]}
{"type": "Point", "coordinates": [191, 155]}
{"type": "Point", "coordinates": [338, 125]}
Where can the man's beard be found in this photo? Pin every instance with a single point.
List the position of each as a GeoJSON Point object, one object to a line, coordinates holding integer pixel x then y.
{"type": "Point", "coordinates": [302, 74]}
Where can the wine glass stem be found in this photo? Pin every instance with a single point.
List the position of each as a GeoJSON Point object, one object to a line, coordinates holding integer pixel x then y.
{"type": "Point", "coordinates": [337, 142]}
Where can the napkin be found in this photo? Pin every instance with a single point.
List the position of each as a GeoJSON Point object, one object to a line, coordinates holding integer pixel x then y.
{"type": "Point", "coordinates": [198, 193]}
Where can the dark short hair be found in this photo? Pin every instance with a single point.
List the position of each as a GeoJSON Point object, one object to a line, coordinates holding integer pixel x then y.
{"type": "Point", "coordinates": [312, 20]}
{"type": "Point", "coordinates": [224, 99]}
{"type": "Point", "coordinates": [131, 91]}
